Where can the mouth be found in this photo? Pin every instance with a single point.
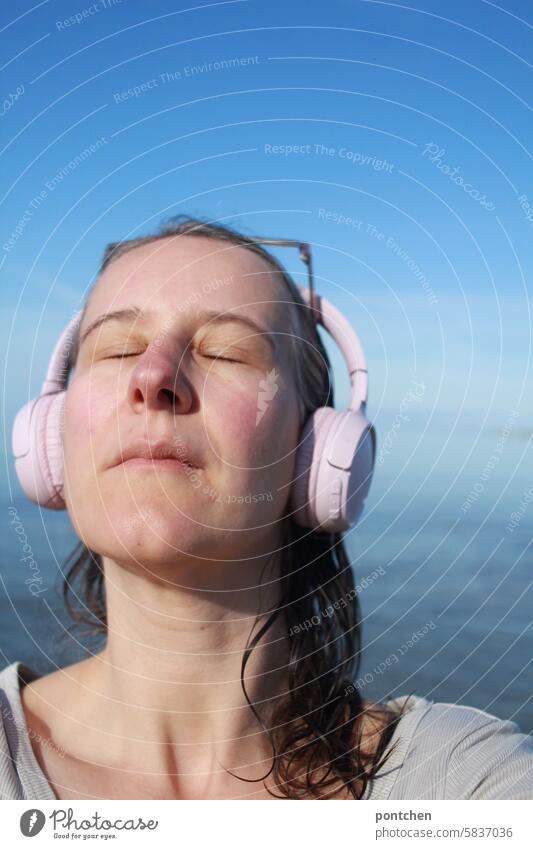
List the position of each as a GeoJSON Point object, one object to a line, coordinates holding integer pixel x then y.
{"type": "Point", "coordinates": [170, 456]}
{"type": "Point", "coordinates": [160, 463]}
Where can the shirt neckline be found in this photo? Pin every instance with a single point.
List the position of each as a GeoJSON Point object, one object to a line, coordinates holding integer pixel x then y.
{"type": "Point", "coordinates": [31, 776]}
{"type": "Point", "coordinates": [35, 783]}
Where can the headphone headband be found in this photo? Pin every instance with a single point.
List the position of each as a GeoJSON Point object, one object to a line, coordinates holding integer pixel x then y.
{"type": "Point", "coordinates": [348, 341]}
{"type": "Point", "coordinates": [61, 360]}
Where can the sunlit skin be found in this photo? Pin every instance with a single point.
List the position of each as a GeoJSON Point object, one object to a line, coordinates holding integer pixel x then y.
{"type": "Point", "coordinates": [156, 713]}
{"type": "Point", "coordinates": [214, 370]}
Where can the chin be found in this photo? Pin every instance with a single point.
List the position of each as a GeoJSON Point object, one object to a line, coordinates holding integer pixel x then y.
{"type": "Point", "coordinates": [147, 532]}
{"type": "Point", "coordinates": [150, 534]}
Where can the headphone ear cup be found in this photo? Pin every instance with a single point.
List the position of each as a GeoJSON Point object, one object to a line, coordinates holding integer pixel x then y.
{"type": "Point", "coordinates": [330, 495]}
{"type": "Point", "coordinates": [362, 470]}
{"type": "Point", "coordinates": [38, 450]}
{"type": "Point", "coordinates": [308, 458]}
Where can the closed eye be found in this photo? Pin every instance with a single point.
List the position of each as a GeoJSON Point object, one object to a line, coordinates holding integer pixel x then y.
{"type": "Point", "coordinates": [206, 356]}
{"type": "Point", "coordinates": [218, 357]}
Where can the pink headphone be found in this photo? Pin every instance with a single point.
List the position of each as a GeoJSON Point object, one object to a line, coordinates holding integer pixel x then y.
{"type": "Point", "coordinates": [335, 458]}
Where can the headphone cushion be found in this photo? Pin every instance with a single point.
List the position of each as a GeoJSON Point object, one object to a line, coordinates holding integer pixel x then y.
{"type": "Point", "coordinates": [52, 446]}
{"type": "Point", "coordinates": [40, 469]}
{"type": "Point", "coordinates": [308, 459]}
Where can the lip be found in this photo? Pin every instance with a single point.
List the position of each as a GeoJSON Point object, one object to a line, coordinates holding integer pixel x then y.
{"type": "Point", "coordinates": [164, 463]}
{"type": "Point", "coordinates": [171, 454]}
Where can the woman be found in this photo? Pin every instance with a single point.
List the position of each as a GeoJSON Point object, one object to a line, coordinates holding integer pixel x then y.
{"type": "Point", "coordinates": [216, 681]}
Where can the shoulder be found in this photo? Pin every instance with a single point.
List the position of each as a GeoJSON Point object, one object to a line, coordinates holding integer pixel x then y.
{"type": "Point", "coordinates": [22, 736]}
{"type": "Point", "coordinates": [12, 729]}
{"type": "Point", "coordinates": [456, 751]}
{"type": "Point", "coordinates": [10, 704]}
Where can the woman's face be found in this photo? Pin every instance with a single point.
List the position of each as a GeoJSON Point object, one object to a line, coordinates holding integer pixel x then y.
{"type": "Point", "coordinates": [217, 392]}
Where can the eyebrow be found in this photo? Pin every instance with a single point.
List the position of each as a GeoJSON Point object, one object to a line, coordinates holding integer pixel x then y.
{"type": "Point", "coordinates": [116, 315]}
{"type": "Point", "coordinates": [213, 316]}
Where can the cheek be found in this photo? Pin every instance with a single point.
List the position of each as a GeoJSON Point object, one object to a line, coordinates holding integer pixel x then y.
{"type": "Point", "coordinates": [230, 422]}
{"type": "Point", "coordinates": [89, 425]}
{"type": "Point", "coordinates": [87, 412]}
{"type": "Point", "coordinates": [252, 426]}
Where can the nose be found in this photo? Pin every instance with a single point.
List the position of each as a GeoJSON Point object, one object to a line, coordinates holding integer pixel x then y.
{"type": "Point", "coordinates": [158, 383]}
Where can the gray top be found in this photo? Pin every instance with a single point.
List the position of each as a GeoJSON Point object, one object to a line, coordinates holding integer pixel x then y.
{"type": "Point", "coordinates": [444, 751]}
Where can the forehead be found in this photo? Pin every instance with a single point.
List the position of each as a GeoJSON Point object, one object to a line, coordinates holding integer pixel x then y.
{"type": "Point", "coordinates": [189, 273]}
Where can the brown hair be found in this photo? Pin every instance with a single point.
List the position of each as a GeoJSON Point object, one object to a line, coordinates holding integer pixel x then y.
{"type": "Point", "coordinates": [316, 728]}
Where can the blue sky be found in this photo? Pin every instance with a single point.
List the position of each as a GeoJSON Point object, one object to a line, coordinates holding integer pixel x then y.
{"type": "Point", "coordinates": [356, 126]}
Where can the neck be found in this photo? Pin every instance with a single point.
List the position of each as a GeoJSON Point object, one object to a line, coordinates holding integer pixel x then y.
{"type": "Point", "coordinates": [168, 682]}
